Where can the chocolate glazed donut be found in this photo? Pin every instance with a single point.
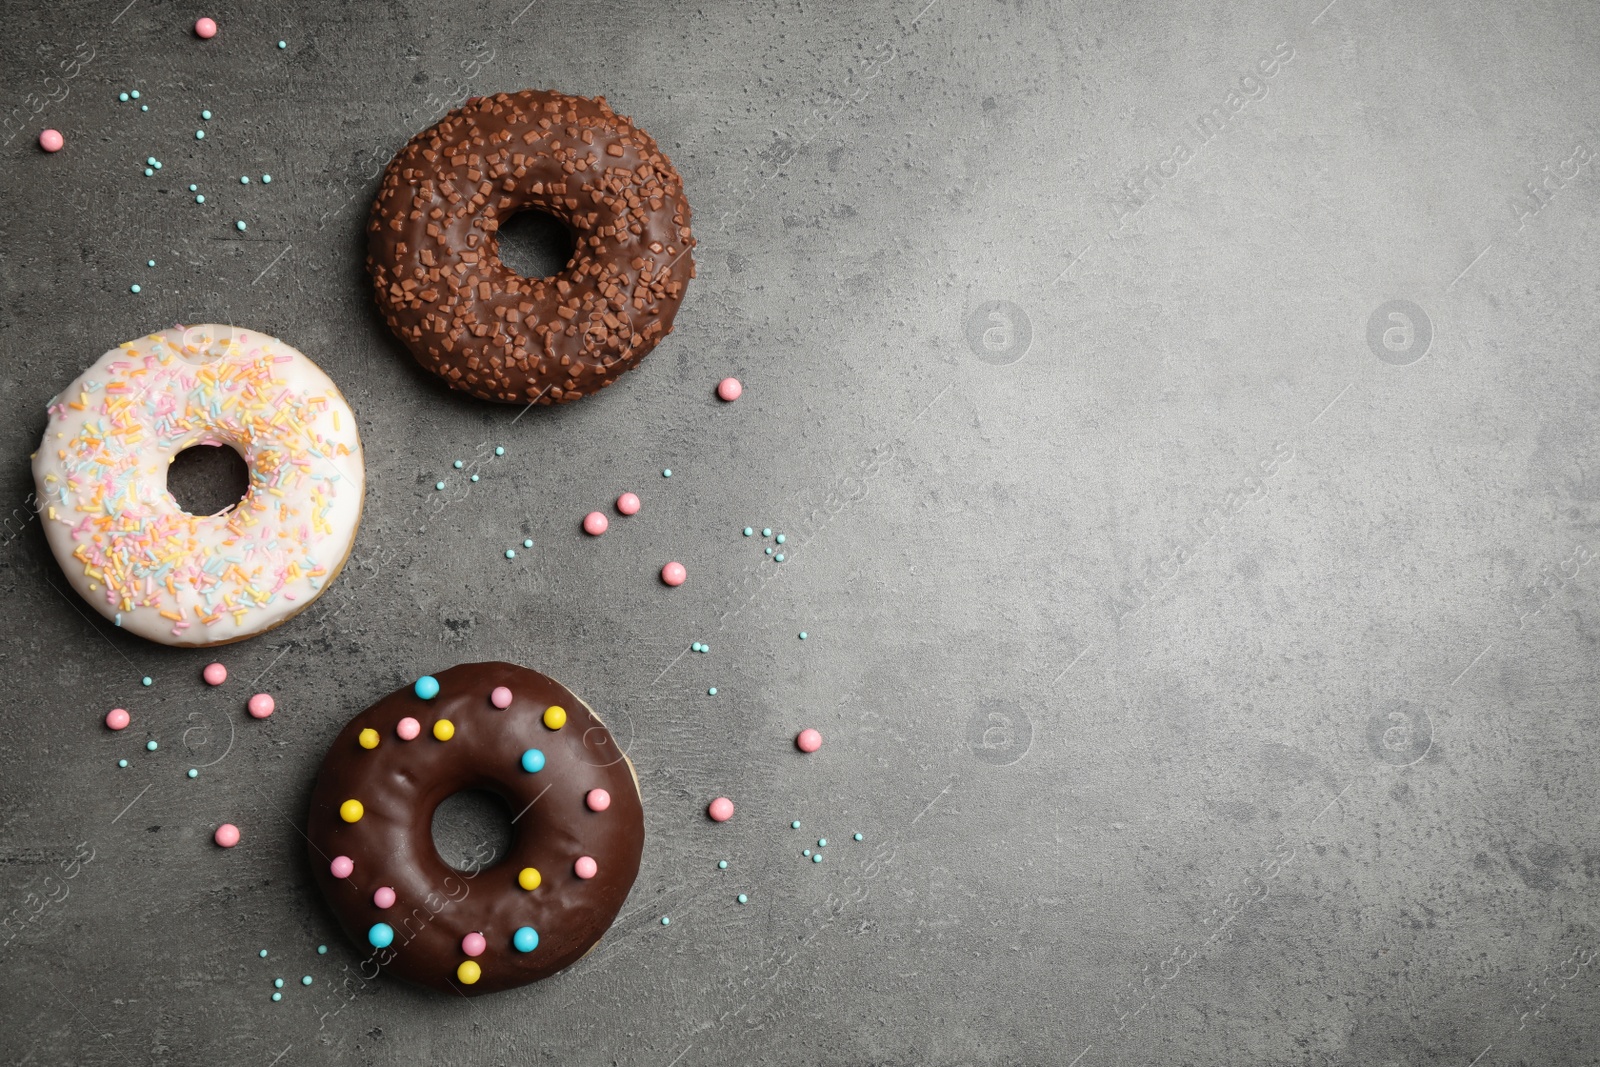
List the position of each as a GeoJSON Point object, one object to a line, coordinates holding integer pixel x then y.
{"type": "Point", "coordinates": [434, 256]}
{"type": "Point", "coordinates": [577, 835]}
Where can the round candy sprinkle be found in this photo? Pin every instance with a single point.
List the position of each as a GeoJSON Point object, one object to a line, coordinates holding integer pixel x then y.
{"type": "Point", "coordinates": [767, 532]}
{"type": "Point", "coordinates": [439, 486]}
{"type": "Point", "coordinates": [743, 899]}
{"type": "Point", "coordinates": [407, 729]}
{"type": "Point", "coordinates": [151, 746]}
{"type": "Point", "coordinates": [283, 44]}
{"type": "Point", "coordinates": [277, 996]}
{"type": "Point", "coordinates": [266, 179]}
{"type": "Point", "coordinates": [368, 738]}
{"type": "Point", "coordinates": [133, 288]}
{"type": "Point", "coordinates": [352, 810]}
{"type": "Point", "coordinates": [595, 524]}
{"type": "Point", "coordinates": [809, 740]}
{"type": "Point", "coordinates": [474, 944]}
{"type": "Point", "coordinates": [205, 114]}
{"type": "Point", "coordinates": [779, 557]}
{"type": "Point", "coordinates": [380, 935]}
{"type": "Point", "coordinates": [426, 687]}
{"type": "Point", "coordinates": [628, 504]}
{"type": "Point", "coordinates": [586, 867]}
{"type": "Point", "coordinates": [193, 772]}
{"type": "Point", "coordinates": [694, 646]}
{"type": "Point", "coordinates": [383, 897]}
{"type": "Point", "coordinates": [529, 878]}
{"type": "Point", "coordinates": [748, 531]}
{"type": "Point", "coordinates": [240, 224]}
{"type": "Point", "coordinates": [144, 107]}
{"type": "Point", "coordinates": [802, 635]}
{"type": "Point", "coordinates": [511, 553]}
{"type": "Point", "coordinates": [805, 852]}
{"type": "Point", "coordinates": [720, 809]}
{"type": "Point", "coordinates": [122, 763]}
{"type": "Point", "coordinates": [729, 389]}
{"type": "Point", "coordinates": [123, 97]}
{"type": "Point", "coordinates": [458, 464]}
{"type": "Point", "coordinates": [322, 950]}
{"type": "Point", "coordinates": [822, 842]}
{"type": "Point", "coordinates": [858, 837]}
{"type": "Point", "coordinates": [597, 799]}
{"type": "Point", "coordinates": [817, 858]}
{"type": "Point", "coordinates": [667, 473]}
{"type": "Point", "coordinates": [51, 140]}
{"type": "Point", "coordinates": [306, 980]}
{"type": "Point", "coordinates": [135, 94]}
{"type": "Point", "coordinates": [214, 674]}
{"type": "Point", "coordinates": [150, 263]}
{"type": "Point", "coordinates": [444, 729]}
{"type": "Point", "coordinates": [227, 836]}
{"type": "Point", "coordinates": [674, 573]}
{"type": "Point", "coordinates": [205, 29]}
{"type": "Point", "coordinates": [150, 161]}
{"type": "Point", "coordinates": [244, 179]}
{"type": "Point", "coordinates": [469, 972]}
{"type": "Point", "coordinates": [277, 983]}
{"type": "Point", "coordinates": [526, 939]}
{"type": "Point", "coordinates": [533, 761]}
{"type": "Point", "coordinates": [199, 135]}
{"type": "Point", "coordinates": [499, 451]}
{"type": "Point", "coordinates": [666, 920]}
{"type": "Point", "coordinates": [711, 692]}
{"type": "Point", "coordinates": [722, 865]}
{"type": "Point", "coordinates": [200, 199]}
{"type": "Point", "coordinates": [527, 543]}
{"type": "Point", "coordinates": [795, 825]}
{"type": "Point", "coordinates": [555, 716]}
{"type": "Point", "coordinates": [473, 478]}
{"type": "Point", "coordinates": [117, 718]}
{"type": "Point", "coordinates": [261, 705]}
{"type": "Point", "coordinates": [147, 680]}
{"type": "Point", "coordinates": [780, 539]}
{"type": "Point", "coordinates": [501, 697]}
{"type": "Point", "coordinates": [263, 953]}
{"type": "Point", "coordinates": [342, 866]}
{"type": "Point", "coordinates": [769, 550]}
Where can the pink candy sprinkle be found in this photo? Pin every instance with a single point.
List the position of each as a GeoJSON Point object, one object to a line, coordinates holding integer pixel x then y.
{"type": "Point", "coordinates": [594, 524]}
{"type": "Point", "coordinates": [214, 674]}
{"type": "Point", "coordinates": [628, 504]}
{"type": "Point", "coordinates": [474, 944]}
{"type": "Point", "coordinates": [721, 809]}
{"type": "Point", "coordinates": [51, 140]}
{"type": "Point", "coordinates": [227, 835]}
{"type": "Point", "coordinates": [674, 574]}
{"type": "Point", "coordinates": [205, 29]}
{"type": "Point", "coordinates": [342, 866]}
{"type": "Point", "coordinates": [383, 897]}
{"type": "Point", "coordinates": [261, 705]}
{"type": "Point", "coordinates": [586, 867]}
{"type": "Point", "coordinates": [501, 697]}
{"type": "Point", "coordinates": [729, 389]}
{"type": "Point", "coordinates": [117, 718]}
{"type": "Point", "coordinates": [597, 799]}
{"type": "Point", "coordinates": [808, 741]}
{"type": "Point", "coordinates": [408, 728]}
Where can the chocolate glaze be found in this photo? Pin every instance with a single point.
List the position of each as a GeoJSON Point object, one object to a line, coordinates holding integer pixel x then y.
{"type": "Point", "coordinates": [435, 263]}
{"type": "Point", "coordinates": [400, 783]}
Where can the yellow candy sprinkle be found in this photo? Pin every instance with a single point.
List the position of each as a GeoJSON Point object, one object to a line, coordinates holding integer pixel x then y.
{"type": "Point", "coordinates": [469, 972]}
{"type": "Point", "coordinates": [555, 716]}
{"type": "Point", "coordinates": [369, 738]}
{"type": "Point", "coordinates": [528, 878]}
{"type": "Point", "coordinates": [351, 811]}
{"type": "Point", "coordinates": [444, 730]}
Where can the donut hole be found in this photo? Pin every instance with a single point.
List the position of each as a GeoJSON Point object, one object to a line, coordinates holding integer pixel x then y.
{"type": "Point", "coordinates": [472, 829]}
{"type": "Point", "coordinates": [536, 245]}
{"type": "Point", "coordinates": [208, 479]}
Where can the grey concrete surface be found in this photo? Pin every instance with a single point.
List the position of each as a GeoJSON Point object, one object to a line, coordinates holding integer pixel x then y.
{"type": "Point", "coordinates": [1180, 415]}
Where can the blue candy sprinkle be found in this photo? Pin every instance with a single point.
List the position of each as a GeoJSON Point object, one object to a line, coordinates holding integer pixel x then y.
{"type": "Point", "coordinates": [277, 996]}
{"type": "Point", "coordinates": [205, 114]}
{"type": "Point", "coordinates": [743, 899]}
{"type": "Point", "coordinates": [322, 950]}
{"type": "Point", "coordinates": [712, 691]}
{"type": "Point", "coordinates": [123, 97]}
{"type": "Point", "coordinates": [158, 164]}
{"type": "Point", "coordinates": [144, 107]}
{"type": "Point", "coordinates": [151, 746]}
{"type": "Point", "coordinates": [858, 837]}
{"type": "Point", "coordinates": [133, 288]}
{"type": "Point", "coordinates": [266, 179]}
{"type": "Point", "coordinates": [150, 263]}
{"type": "Point", "coordinates": [193, 188]}
{"type": "Point", "coordinates": [499, 451]}
{"type": "Point", "coordinates": [805, 852]}
{"type": "Point", "coordinates": [380, 935]}
{"type": "Point", "coordinates": [427, 687]}
{"type": "Point", "coordinates": [526, 939]}
{"type": "Point", "coordinates": [748, 532]}
{"type": "Point", "coordinates": [533, 761]}
{"type": "Point", "coordinates": [150, 161]}
{"type": "Point", "coordinates": [193, 773]}
{"type": "Point", "coordinates": [240, 224]}
{"type": "Point", "coordinates": [528, 543]}
{"type": "Point", "coordinates": [306, 980]}
{"type": "Point", "coordinates": [802, 635]}
{"type": "Point", "coordinates": [779, 557]}
{"type": "Point", "coordinates": [666, 921]}
{"type": "Point", "coordinates": [722, 865]}
{"type": "Point", "coordinates": [277, 983]}
{"type": "Point", "coordinates": [199, 135]}
{"type": "Point", "coordinates": [822, 842]}
{"type": "Point", "coordinates": [199, 199]}
{"type": "Point", "coordinates": [666, 473]}
{"type": "Point", "coordinates": [283, 44]}
{"type": "Point", "coordinates": [147, 680]}
{"type": "Point", "coordinates": [244, 179]}
{"type": "Point", "coordinates": [148, 173]}
{"type": "Point", "coordinates": [457, 464]}
{"type": "Point", "coordinates": [135, 94]}
{"type": "Point", "coordinates": [769, 550]}
{"type": "Point", "coordinates": [767, 532]}
{"type": "Point", "coordinates": [511, 553]}
{"type": "Point", "coordinates": [439, 486]}
{"type": "Point", "coordinates": [122, 763]}
{"type": "Point", "coordinates": [817, 858]}
{"type": "Point", "coordinates": [263, 953]}
{"type": "Point", "coordinates": [780, 539]}
{"type": "Point", "coordinates": [474, 477]}
{"type": "Point", "coordinates": [795, 825]}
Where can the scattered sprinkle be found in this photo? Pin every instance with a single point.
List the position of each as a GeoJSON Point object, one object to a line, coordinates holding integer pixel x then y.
{"type": "Point", "coordinates": [817, 858]}
{"type": "Point", "coordinates": [527, 542]}
{"type": "Point", "coordinates": [769, 550]}
{"type": "Point", "coordinates": [199, 199]}
{"type": "Point", "coordinates": [263, 953]}
{"type": "Point", "coordinates": [822, 842]}
{"type": "Point", "coordinates": [283, 44]}
{"type": "Point", "coordinates": [133, 289]}
{"type": "Point", "coordinates": [193, 773]}
{"type": "Point", "coordinates": [227, 836]}
{"type": "Point", "coordinates": [808, 740]}
{"type": "Point", "coordinates": [122, 763]}
{"type": "Point", "coordinates": [199, 135]}
{"type": "Point", "coordinates": [499, 451]}
{"type": "Point", "coordinates": [306, 980]}
{"type": "Point", "coordinates": [322, 950]}
{"type": "Point", "coordinates": [779, 557]}
{"type": "Point", "coordinates": [511, 553]}
{"type": "Point", "coordinates": [474, 477]}
{"type": "Point", "coordinates": [123, 97]}
{"type": "Point", "coordinates": [595, 523]}
{"type": "Point", "coordinates": [214, 674]}
{"type": "Point", "coordinates": [729, 390]}
{"type": "Point", "coordinates": [150, 263]}
{"type": "Point", "coordinates": [858, 837]}
{"type": "Point", "coordinates": [712, 691]}
{"type": "Point", "coordinates": [135, 94]}
{"type": "Point", "coordinates": [244, 179]}
{"type": "Point", "coordinates": [147, 680]}
{"type": "Point", "coordinates": [193, 188]}
{"type": "Point", "coordinates": [722, 865]}
{"type": "Point", "coordinates": [277, 996]}
{"type": "Point", "coordinates": [144, 107]}
{"type": "Point", "coordinates": [805, 852]}
{"type": "Point", "coordinates": [151, 746]}
{"type": "Point", "coordinates": [148, 173]}
{"type": "Point", "coordinates": [780, 539]}
{"type": "Point", "coordinates": [667, 473]}
{"type": "Point", "coordinates": [277, 983]}
{"type": "Point", "coordinates": [266, 179]}
{"type": "Point", "coordinates": [802, 635]}
{"type": "Point", "coordinates": [458, 464]}
{"type": "Point", "coordinates": [748, 531]}
{"type": "Point", "coordinates": [795, 825]}
{"type": "Point", "coordinates": [205, 114]}
{"type": "Point", "coordinates": [743, 899]}
{"type": "Point", "coordinates": [666, 921]}
{"type": "Point", "coordinates": [205, 29]}
{"type": "Point", "coordinates": [240, 224]}
{"type": "Point", "coordinates": [767, 532]}
{"type": "Point", "coordinates": [674, 573]}
{"type": "Point", "coordinates": [439, 486]}
{"type": "Point", "coordinates": [720, 809]}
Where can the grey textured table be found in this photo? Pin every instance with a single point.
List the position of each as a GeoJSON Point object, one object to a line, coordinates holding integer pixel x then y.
{"type": "Point", "coordinates": [1180, 415]}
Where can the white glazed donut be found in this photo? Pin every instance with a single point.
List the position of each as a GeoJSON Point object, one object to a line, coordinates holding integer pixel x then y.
{"type": "Point", "coordinates": [126, 546]}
